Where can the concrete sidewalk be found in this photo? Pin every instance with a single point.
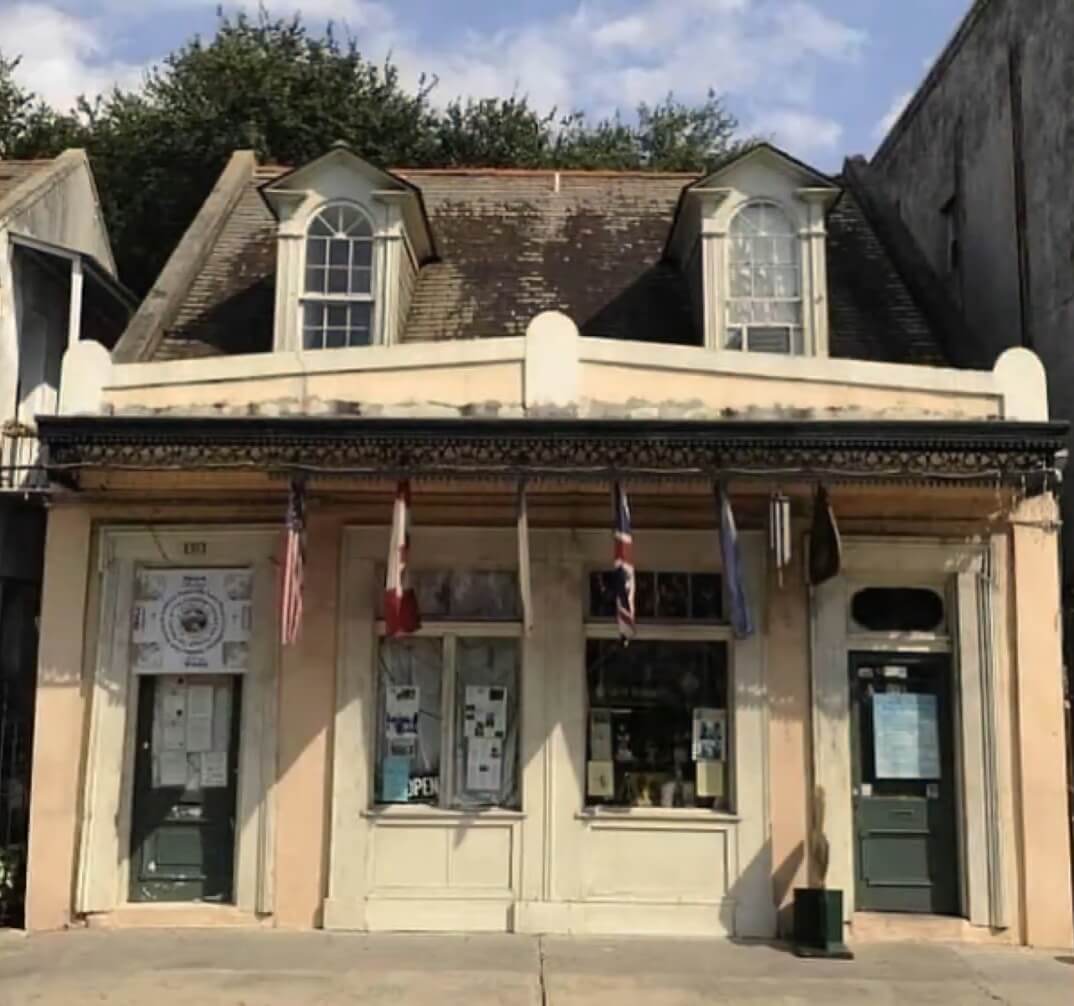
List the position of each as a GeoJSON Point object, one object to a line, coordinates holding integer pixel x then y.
{"type": "Point", "coordinates": [270, 968]}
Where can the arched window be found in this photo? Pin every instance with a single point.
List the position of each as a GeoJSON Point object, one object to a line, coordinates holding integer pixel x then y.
{"type": "Point", "coordinates": [337, 304]}
{"type": "Point", "coordinates": [764, 303]}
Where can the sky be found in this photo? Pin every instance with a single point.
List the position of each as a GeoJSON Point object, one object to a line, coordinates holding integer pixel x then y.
{"type": "Point", "coordinates": [822, 78]}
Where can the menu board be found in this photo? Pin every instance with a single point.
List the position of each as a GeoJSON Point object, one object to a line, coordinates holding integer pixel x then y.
{"type": "Point", "coordinates": [906, 736]}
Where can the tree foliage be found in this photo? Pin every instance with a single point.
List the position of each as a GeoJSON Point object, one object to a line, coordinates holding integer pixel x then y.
{"type": "Point", "coordinates": [274, 86]}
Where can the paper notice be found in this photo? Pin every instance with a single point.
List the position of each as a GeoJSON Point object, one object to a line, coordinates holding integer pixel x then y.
{"type": "Point", "coordinates": [173, 736]}
{"type": "Point", "coordinates": [710, 735]}
{"type": "Point", "coordinates": [395, 779]}
{"type": "Point", "coordinates": [600, 736]}
{"type": "Point", "coordinates": [485, 715]}
{"type": "Point", "coordinates": [600, 779]}
{"type": "Point", "coordinates": [710, 778]}
{"type": "Point", "coordinates": [484, 765]}
{"type": "Point", "coordinates": [222, 718]}
{"type": "Point", "coordinates": [199, 718]}
{"type": "Point", "coordinates": [213, 769]}
{"type": "Point", "coordinates": [173, 703]}
{"type": "Point", "coordinates": [172, 768]}
{"type": "Point", "coordinates": [401, 705]}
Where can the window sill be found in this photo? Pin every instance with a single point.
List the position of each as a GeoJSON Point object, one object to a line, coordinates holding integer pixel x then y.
{"type": "Point", "coordinates": [667, 815]}
{"type": "Point", "coordinates": [445, 815]}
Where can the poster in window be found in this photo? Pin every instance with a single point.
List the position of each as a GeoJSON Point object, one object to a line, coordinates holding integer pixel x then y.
{"type": "Point", "coordinates": [485, 715]}
{"type": "Point", "coordinates": [600, 735]}
{"type": "Point", "coordinates": [190, 621]}
{"type": "Point", "coordinates": [401, 706]}
{"type": "Point", "coordinates": [709, 735]}
{"type": "Point", "coordinates": [600, 781]}
{"type": "Point", "coordinates": [906, 736]}
{"type": "Point", "coordinates": [484, 765]}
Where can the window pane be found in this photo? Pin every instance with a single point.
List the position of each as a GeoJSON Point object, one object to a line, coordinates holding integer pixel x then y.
{"type": "Point", "coordinates": [486, 723]}
{"type": "Point", "coordinates": [315, 251]}
{"type": "Point", "coordinates": [733, 339]}
{"type": "Point", "coordinates": [335, 338]}
{"type": "Point", "coordinates": [312, 338]}
{"type": "Point", "coordinates": [787, 311]}
{"type": "Point", "coordinates": [409, 721]}
{"type": "Point", "coordinates": [361, 281]}
{"type": "Point", "coordinates": [644, 595]}
{"type": "Point", "coordinates": [764, 284]}
{"type": "Point", "coordinates": [475, 595]}
{"type": "Point", "coordinates": [672, 595]}
{"type": "Point", "coordinates": [336, 315]}
{"type": "Point", "coordinates": [313, 315]}
{"type": "Point", "coordinates": [320, 227]}
{"type": "Point", "coordinates": [741, 281]}
{"type": "Point", "coordinates": [706, 596]}
{"type": "Point", "coordinates": [363, 253]}
{"type": "Point", "coordinates": [658, 724]}
{"type": "Point", "coordinates": [337, 281]}
{"type": "Point", "coordinates": [339, 252]}
{"type": "Point", "coordinates": [786, 250]}
{"type": "Point", "coordinates": [315, 280]}
{"type": "Point", "coordinates": [785, 281]}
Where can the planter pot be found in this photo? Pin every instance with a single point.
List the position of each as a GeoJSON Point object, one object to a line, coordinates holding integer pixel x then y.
{"type": "Point", "coordinates": [818, 924]}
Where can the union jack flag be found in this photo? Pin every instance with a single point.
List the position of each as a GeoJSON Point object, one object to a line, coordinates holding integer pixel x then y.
{"type": "Point", "coordinates": [624, 566]}
{"type": "Point", "coordinates": [292, 579]}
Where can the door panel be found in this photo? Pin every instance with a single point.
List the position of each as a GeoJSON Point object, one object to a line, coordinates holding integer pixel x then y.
{"type": "Point", "coordinates": [183, 821]}
{"type": "Point", "coordinates": [904, 784]}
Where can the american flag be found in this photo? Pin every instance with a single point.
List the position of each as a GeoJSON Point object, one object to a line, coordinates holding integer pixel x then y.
{"type": "Point", "coordinates": [624, 566]}
{"type": "Point", "coordinates": [293, 572]}
{"type": "Point", "coordinates": [401, 614]}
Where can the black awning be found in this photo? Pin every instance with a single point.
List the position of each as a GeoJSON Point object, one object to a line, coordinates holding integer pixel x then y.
{"type": "Point", "coordinates": [991, 451]}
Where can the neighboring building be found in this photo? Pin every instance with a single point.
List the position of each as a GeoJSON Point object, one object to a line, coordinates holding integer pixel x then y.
{"type": "Point", "coordinates": [471, 331]}
{"type": "Point", "coordinates": [978, 166]}
{"type": "Point", "coordinates": [57, 285]}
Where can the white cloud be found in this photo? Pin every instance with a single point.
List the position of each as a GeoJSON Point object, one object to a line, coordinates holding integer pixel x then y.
{"type": "Point", "coordinates": [63, 55]}
{"type": "Point", "coordinates": [798, 132]}
{"type": "Point", "coordinates": [601, 55]}
{"type": "Point", "coordinates": [891, 116]}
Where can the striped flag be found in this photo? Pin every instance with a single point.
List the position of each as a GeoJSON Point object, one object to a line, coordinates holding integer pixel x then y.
{"type": "Point", "coordinates": [741, 620]}
{"type": "Point", "coordinates": [624, 566]}
{"type": "Point", "coordinates": [293, 570]}
{"type": "Point", "coordinates": [400, 605]}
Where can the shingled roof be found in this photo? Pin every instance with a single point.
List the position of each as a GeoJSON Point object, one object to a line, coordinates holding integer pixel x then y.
{"type": "Point", "coordinates": [14, 173]}
{"type": "Point", "coordinates": [514, 243]}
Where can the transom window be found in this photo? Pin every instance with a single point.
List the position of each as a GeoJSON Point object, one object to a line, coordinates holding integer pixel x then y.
{"type": "Point", "coordinates": [337, 305]}
{"type": "Point", "coordinates": [764, 303]}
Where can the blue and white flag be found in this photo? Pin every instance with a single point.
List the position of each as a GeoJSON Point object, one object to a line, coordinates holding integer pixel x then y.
{"type": "Point", "coordinates": [741, 621]}
{"type": "Point", "coordinates": [624, 565]}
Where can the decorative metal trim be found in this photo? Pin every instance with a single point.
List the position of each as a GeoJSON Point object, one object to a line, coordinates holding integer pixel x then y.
{"type": "Point", "coordinates": [572, 449]}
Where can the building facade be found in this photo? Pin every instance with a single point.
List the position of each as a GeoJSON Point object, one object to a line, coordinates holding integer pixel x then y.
{"type": "Point", "coordinates": [977, 166]}
{"type": "Point", "coordinates": [57, 286]}
{"type": "Point", "coordinates": [508, 347]}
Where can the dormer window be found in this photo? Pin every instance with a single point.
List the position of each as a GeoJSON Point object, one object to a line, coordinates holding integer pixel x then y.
{"type": "Point", "coordinates": [337, 302]}
{"type": "Point", "coordinates": [764, 301]}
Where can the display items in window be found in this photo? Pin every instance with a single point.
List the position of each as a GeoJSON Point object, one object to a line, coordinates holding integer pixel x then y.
{"type": "Point", "coordinates": [658, 724]}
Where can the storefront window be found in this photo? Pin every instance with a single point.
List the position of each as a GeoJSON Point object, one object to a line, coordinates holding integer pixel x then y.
{"type": "Point", "coordinates": [659, 724]}
{"type": "Point", "coordinates": [664, 596]}
{"type": "Point", "coordinates": [453, 689]}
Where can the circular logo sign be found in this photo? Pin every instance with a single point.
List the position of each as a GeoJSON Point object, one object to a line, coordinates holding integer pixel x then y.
{"type": "Point", "coordinates": [192, 621]}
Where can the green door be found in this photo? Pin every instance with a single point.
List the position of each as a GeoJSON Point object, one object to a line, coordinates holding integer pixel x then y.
{"type": "Point", "coordinates": [906, 845]}
{"type": "Point", "coordinates": [185, 772]}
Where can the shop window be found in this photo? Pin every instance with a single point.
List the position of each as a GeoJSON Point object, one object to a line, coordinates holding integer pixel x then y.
{"type": "Point", "coordinates": [662, 596]}
{"type": "Point", "coordinates": [897, 609]}
{"type": "Point", "coordinates": [463, 595]}
{"type": "Point", "coordinates": [659, 724]}
{"type": "Point", "coordinates": [448, 693]}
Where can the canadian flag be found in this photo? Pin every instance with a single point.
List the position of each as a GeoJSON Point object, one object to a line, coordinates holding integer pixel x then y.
{"type": "Point", "coordinates": [400, 605]}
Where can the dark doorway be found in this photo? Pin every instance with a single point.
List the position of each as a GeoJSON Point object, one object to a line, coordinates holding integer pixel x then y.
{"type": "Point", "coordinates": [906, 844]}
{"type": "Point", "coordinates": [185, 781]}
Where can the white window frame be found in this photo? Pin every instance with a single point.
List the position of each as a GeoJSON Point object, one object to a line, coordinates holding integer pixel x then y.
{"type": "Point", "coordinates": [798, 339]}
{"type": "Point", "coordinates": [448, 631]}
{"type": "Point", "coordinates": [327, 299]}
{"type": "Point", "coordinates": [668, 631]}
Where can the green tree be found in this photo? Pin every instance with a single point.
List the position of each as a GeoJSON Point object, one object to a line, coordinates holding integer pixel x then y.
{"type": "Point", "coordinates": [271, 85]}
{"type": "Point", "coordinates": [28, 127]}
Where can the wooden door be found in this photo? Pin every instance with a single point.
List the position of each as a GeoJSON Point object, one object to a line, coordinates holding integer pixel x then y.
{"type": "Point", "coordinates": [904, 785]}
{"type": "Point", "coordinates": [185, 781]}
